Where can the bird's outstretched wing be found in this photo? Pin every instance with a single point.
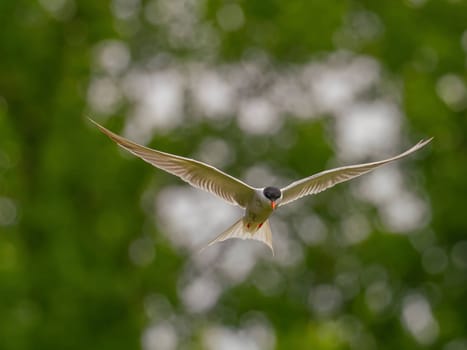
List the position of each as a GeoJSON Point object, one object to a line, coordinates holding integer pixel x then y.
{"type": "Point", "coordinates": [326, 179]}
{"type": "Point", "coordinates": [196, 173]}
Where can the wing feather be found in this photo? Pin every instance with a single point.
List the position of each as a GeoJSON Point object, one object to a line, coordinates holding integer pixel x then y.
{"type": "Point", "coordinates": [197, 174]}
{"type": "Point", "coordinates": [326, 179]}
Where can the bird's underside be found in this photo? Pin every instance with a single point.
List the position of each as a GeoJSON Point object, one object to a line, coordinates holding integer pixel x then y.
{"type": "Point", "coordinates": [244, 230]}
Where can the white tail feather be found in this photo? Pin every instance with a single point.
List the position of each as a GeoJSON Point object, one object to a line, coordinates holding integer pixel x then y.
{"type": "Point", "coordinates": [237, 230]}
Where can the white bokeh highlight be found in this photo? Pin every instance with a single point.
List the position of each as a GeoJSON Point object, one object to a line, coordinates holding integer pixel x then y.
{"type": "Point", "coordinates": [418, 319]}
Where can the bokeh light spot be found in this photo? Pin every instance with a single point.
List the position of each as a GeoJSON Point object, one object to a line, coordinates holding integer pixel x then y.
{"type": "Point", "coordinates": [8, 212]}
{"type": "Point", "coordinates": [452, 90]}
{"type": "Point", "coordinates": [434, 260]}
{"type": "Point", "coordinates": [418, 319]}
{"type": "Point", "coordinates": [230, 17]}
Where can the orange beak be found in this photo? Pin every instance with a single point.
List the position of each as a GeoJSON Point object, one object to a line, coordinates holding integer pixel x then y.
{"type": "Point", "coordinates": [273, 205]}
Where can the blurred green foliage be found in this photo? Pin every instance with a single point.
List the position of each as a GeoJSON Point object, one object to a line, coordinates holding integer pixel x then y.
{"type": "Point", "coordinates": [71, 205]}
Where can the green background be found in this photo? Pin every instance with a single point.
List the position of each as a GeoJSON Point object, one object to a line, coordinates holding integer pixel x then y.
{"type": "Point", "coordinates": [71, 206]}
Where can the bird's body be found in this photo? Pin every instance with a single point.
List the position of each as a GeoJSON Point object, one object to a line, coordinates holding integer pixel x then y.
{"type": "Point", "coordinates": [259, 203]}
{"type": "Point", "coordinates": [258, 210]}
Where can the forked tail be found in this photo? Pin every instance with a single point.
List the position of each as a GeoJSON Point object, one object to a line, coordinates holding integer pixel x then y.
{"type": "Point", "coordinates": [237, 230]}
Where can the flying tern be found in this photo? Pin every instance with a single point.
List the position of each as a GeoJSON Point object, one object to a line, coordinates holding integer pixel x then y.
{"type": "Point", "coordinates": [259, 203]}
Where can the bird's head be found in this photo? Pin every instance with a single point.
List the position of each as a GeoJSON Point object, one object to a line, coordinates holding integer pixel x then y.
{"type": "Point", "coordinates": [273, 194]}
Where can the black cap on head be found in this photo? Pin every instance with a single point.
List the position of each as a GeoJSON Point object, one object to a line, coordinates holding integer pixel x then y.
{"type": "Point", "coordinates": [272, 193]}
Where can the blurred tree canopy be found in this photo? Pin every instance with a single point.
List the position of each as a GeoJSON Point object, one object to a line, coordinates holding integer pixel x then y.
{"type": "Point", "coordinates": [98, 249]}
